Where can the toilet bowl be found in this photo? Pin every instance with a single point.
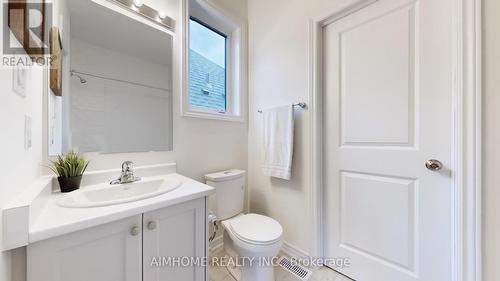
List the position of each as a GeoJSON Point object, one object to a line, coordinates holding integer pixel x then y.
{"type": "Point", "coordinates": [256, 240]}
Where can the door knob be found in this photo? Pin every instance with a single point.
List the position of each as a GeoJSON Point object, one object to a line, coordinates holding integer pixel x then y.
{"type": "Point", "coordinates": [433, 165]}
{"type": "Point", "coordinates": [134, 231]}
{"type": "Point", "coordinates": [151, 225]}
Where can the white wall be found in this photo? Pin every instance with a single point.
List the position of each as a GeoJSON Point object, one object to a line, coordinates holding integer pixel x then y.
{"type": "Point", "coordinates": [19, 166]}
{"type": "Point", "coordinates": [278, 74]}
{"type": "Point", "coordinates": [206, 145]}
{"type": "Point", "coordinates": [491, 140]}
{"type": "Point", "coordinates": [22, 166]}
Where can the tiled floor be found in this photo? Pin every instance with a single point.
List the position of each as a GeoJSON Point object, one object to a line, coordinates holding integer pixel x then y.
{"type": "Point", "coordinates": [220, 273]}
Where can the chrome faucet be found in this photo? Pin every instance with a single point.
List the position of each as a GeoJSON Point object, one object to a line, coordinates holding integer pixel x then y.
{"type": "Point", "coordinates": [127, 175]}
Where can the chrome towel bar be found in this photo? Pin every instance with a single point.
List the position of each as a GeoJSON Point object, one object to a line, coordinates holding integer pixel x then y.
{"type": "Point", "coordinates": [302, 105]}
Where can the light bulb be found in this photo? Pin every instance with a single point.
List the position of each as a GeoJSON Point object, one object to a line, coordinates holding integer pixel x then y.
{"type": "Point", "coordinates": [162, 15]}
{"type": "Point", "coordinates": [138, 3]}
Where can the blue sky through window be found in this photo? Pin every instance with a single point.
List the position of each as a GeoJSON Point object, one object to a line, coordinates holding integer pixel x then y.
{"type": "Point", "coordinates": [207, 43]}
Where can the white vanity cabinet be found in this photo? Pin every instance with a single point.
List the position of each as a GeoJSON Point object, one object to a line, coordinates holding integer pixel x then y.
{"type": "Point", "coordinates": [123, 250]}
{"type": "Point", "coordinates": [106, 252]}
{"type": "Point", "coordinates": [178, 232]}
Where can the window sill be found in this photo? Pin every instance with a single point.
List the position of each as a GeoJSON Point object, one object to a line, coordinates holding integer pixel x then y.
{"type": "Point", "coordinates": [214, 116]}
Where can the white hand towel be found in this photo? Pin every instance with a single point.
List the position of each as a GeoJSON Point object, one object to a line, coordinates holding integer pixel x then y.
{"type": "Point", "coordinates": [278, 142]}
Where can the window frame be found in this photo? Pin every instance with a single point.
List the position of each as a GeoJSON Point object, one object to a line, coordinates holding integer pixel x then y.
{"type": "Point", "coordinates": [235, 29]}
{"type": "Point", "coordinates": [226, 57]}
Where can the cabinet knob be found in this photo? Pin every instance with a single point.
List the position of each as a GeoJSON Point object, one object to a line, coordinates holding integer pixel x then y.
{"type": "Point", "coordinates": [151, 225]}
{"type": "Point", "coordinates": [134, 231]}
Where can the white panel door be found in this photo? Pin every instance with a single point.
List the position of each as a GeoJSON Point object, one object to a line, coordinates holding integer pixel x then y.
{"type": "Point", "coordinates": [388, 109]}
{"type": "Point", "coordinates": [111, 252]}
{"type": "Point", "coordinates": [175, 233]}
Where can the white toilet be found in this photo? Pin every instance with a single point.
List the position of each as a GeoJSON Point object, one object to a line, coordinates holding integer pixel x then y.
{"type": "Point", "coordinates": [252, 236]}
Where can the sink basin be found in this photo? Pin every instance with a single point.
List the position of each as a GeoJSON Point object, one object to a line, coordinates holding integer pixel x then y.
{"type": "Point", "coordinates": [107, 194]}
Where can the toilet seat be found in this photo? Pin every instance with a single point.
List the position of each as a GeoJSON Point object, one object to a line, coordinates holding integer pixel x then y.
{"type": "Point", "coordinates": [256, 229]}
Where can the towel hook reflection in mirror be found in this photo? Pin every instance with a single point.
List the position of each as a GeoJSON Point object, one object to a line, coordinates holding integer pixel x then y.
{"type": "Point", "coordinates": [82, 80]}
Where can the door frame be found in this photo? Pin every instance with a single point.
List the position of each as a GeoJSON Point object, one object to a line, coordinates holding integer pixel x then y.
{"type": "Point", "coordinates": [466, 139]}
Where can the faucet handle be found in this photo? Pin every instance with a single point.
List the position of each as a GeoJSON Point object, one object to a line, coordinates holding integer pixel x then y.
{"type": "Point", "coordinates": [127, 166]}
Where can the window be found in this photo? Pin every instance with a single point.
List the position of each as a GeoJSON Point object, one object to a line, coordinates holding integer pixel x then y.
{"type": "Point", "coordinates": [214, 80]}
{"type": "Point", "coordinates": [207, 68]}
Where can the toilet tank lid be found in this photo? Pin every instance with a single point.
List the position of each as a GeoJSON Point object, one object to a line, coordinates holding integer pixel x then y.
{"type": "Point", "coordinates": [225, 175]}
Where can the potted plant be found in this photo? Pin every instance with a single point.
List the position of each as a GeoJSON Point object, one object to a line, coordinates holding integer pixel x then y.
{"type": "Point", "coordinates": [69, 168]}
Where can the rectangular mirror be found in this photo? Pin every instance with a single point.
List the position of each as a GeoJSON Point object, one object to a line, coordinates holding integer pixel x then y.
{"type": "Point", "coordinates": [116, 92]}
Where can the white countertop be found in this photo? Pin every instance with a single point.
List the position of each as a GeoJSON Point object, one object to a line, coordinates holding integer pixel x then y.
{"type": "Point", "coordinates": [53, 220]}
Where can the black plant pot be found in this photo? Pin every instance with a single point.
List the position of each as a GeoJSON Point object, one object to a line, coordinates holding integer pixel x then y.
{"type": "Point", "coordinates": [69, 184]}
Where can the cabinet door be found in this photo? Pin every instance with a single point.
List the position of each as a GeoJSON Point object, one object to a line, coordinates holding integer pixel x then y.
{"type": "Point", "coordinates": [174, 233]}
{"type": "Point", "coordinates": [111, 252]}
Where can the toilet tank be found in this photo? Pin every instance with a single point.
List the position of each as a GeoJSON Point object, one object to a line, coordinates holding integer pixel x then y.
{"type": "Point", "coordinates": [229, 197]}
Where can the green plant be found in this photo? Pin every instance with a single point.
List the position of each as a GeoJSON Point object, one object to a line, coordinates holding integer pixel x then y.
{"type": "Point", "coordinates": [69, 165]}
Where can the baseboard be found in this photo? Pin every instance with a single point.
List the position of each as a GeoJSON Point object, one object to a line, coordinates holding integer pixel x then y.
{"type": "Point", "coordinates": [292, 251]}
{"type": "Point", "coordinates": [287, 249]}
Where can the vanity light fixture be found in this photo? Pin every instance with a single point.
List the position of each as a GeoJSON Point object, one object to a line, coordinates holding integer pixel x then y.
{"type": "Point", "coordinates": [138, 7]}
